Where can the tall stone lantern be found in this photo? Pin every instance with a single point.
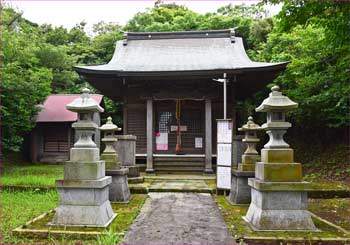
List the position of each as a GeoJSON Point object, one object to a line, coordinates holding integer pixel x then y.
{"type": "Point", "coordinates": [83, 192]}
{"type": "Point", "coordinates": [240, 190]}
{"type": "Point", "coordinates": [279, 199]}
{"type": "Point", "coordinates": [119, 189]}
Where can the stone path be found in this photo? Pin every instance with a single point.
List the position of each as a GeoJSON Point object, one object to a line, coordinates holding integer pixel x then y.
{"type": "Point", "coordinates": [179, 186]}
{"type": "Point", "coordinates": [179, 218]}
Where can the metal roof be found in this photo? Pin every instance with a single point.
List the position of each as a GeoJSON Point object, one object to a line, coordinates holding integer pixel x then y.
{"type": "Point", "coordinates": [54, 108]}
{"type": "Point", "coordinates": [170, 52]}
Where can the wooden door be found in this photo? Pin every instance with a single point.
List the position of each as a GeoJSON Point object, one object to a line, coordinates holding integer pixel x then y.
{"type": "Point", "coordinates": [192, 127]}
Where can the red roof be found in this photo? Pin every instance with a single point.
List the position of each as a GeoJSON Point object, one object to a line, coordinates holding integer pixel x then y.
{"type": "Point", "coordinates": [54, 108]}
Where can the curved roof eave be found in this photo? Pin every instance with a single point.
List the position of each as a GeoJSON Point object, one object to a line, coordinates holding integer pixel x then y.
{"type": "Point", "coordinates": [101, 70]}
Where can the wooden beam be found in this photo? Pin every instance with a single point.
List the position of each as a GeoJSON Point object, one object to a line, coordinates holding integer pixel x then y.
{"type": "Point", "coordinates": [150, 136]}
{"type": "Point", "coordinates": [208, 137]}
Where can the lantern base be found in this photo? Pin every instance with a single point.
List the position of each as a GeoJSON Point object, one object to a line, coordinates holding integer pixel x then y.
{"type": "Point", "coordinates": [119, 190]}
{"type": "Point", "coordinates": [240, 192]}
{"type": "Point", "coordinates": [83, 203]}
{"type": "Point", "coordinates": [277, 206]}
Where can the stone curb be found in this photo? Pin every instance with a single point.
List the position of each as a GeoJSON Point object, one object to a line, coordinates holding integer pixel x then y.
{"type": "Point", "coordinates": [331, 193]}
{"type": "Point", "coordinates": [133, 189]}
{"type": "Point", "coordinates": [35, 233]}
{"type": "Point", "coordinates": [291, 240]}
{"type": "Point", "coordinates": [298, 240]}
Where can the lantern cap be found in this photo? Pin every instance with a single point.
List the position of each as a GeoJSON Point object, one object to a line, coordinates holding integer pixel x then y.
{"type": "Point", "coordinates": [109, 126]}
{"type": "Point", "coordinates": [250, 125]}
{"type": "Point", "coordinates": [276, 102]}
{"type": "Point", "coordinates": [84, 103]}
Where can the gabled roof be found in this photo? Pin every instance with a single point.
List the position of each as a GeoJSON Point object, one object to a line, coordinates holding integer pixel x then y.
{"type": "Point", "coordinates": [173, 52]}
{"type": "Point", "coordinates": [54, 108]}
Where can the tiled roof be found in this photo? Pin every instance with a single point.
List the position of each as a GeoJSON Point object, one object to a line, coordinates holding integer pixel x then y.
{"type": "Point", "coordinates": [179, 52]}
{"type": "Point", "coordinates": [54, 108]}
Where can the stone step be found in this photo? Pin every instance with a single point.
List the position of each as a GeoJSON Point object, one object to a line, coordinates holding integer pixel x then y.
{"type": "Point", "coordinates": [179, 170]}
{"type": "Point", "coordinates": [179, 164]}
{"type": "Point", "coordinates": [178, 159]}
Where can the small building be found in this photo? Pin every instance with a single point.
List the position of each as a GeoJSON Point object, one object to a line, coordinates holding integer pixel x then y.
{"type": "Point", "coordinates": [53, 135]}
{"type": "Point", "coordinates": [164, 80]}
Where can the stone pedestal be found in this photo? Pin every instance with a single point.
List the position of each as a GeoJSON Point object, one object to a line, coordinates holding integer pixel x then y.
{"type": "Point", "coordinates": [238, 148]}
{"type": "Point", "coordinates": [119, 189]}
{"type": "Point", "coordinates": [240, 190]}
{"type": "Point", "coordinates": [84, 203]}
{"type": "Point", "coordinates": [279, 206]}
{"type": "Point", "coordinates": [126, 150]}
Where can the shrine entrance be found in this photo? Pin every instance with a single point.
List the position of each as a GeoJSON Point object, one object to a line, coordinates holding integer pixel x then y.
{"type": "Point", "coordinates": [179, 127]}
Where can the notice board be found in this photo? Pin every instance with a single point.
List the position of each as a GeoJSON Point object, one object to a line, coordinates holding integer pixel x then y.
{"type": "Point", "coordinates": [224, 154]}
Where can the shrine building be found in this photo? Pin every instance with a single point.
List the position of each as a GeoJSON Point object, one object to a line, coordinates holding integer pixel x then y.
{"type": "Point", "coordinates": [164, 81]}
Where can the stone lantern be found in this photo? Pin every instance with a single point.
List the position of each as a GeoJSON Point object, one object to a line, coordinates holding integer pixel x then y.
{"type": "Point", "coordinates": [109, 154]}
{"type": "Point", "coordinates": [83, 193]}
{"type": "Point", "coordinates": [240, 192]}
{"type": "Point", "coordinates": [279, 199]}
{"type": "Point", "coordinates": [119, 189]}
{"type": "Point", "coordinates": [250, 156]}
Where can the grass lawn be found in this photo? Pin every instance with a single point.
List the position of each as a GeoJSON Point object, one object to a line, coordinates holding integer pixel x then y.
{"type": "Point", "coordinates": [336, 209]}
{"type": "Point", "coordinates": [33, 175]}
{"type": "Point", "coordinates": [21, 206]}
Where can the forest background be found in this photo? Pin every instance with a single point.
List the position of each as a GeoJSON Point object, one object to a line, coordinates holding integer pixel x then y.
{"type": "Point", "coordinates": [37, 60]}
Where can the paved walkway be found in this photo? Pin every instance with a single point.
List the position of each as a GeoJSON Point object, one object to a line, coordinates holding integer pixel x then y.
{"type": "Point", "coordinates": [179, 218]}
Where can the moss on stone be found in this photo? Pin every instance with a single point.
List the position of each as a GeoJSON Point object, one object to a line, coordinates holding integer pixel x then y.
{"type": "Point", "coordinates": [126, 213]}
{"type": "Point", "coordinates": [241, 230]}
{"type": "Point", "coordinates": [280, 172]}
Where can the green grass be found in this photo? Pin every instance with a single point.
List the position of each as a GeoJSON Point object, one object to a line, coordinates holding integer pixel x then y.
{"type": "Point", "coordinates": [19, 207]}
{"type": "Point", "coordinates": [238, 227]}
{"type": "Point", "coordinates": [34, 175]}
{"type": "Point", "coordinates": [335, 209]}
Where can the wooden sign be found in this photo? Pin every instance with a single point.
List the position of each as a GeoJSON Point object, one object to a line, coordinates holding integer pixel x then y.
{"type": "Point", "coordinates": [183, 128]}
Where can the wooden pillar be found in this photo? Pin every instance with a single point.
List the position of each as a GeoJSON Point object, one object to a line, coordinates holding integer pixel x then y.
{"type": "Point", "coordinates": [125, 117]}
{"type": "Point", "coordinates": [234, 112]}
{"type": "Point", "coordinates": [208, 137]}
{"type": "Point", "coordinates": [150, 136]}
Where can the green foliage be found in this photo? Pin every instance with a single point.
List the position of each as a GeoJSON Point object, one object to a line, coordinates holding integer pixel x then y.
{"type": "Point", "coordinates": [25, 82]}
{"type": "Point", "coordinates": [171, 17]}
{"type": "Point", "coordinates": [314, 36]}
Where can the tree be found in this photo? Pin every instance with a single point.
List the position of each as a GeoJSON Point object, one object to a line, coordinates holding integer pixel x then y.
{"type": "Point", "coordinates": [24, 82]}
{"type": "Point", "coordinates": [315, 37]}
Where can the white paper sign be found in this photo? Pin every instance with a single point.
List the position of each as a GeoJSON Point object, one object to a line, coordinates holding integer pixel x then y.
{"type": "Point", "coordinates": [224, 154]}
{"type": "Point", "coordinates": [162, 141]}
{"type": "Point", "coordinates": [198, 142]}
{"type": "Point", "coordinates": [223, 180]}
{"type": "Point", "coordinates": [224, 132]}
